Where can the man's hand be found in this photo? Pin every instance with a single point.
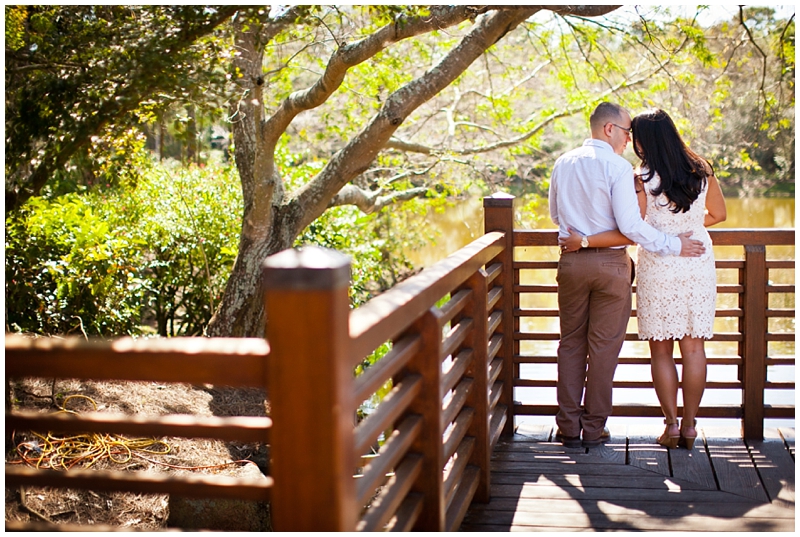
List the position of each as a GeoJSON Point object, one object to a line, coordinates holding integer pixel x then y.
{"type": "Point", "coordinates": [691, 247]}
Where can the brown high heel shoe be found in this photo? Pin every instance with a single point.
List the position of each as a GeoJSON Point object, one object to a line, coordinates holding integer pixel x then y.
{"type": "Point", "coordinates": [686, 440]}
{"type": "Point", "coordinates": [669, 440]}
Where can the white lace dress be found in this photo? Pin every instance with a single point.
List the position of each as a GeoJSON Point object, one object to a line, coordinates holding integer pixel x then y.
{"type": "Point", "coordinates": [675, 296]}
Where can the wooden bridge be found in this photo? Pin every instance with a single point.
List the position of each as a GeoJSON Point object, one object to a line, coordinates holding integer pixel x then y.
{"type": "Point", "coordinates": [448, 456]}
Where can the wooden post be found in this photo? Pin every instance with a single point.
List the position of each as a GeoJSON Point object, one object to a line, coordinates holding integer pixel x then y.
{"type": "Point", "coordinates": [310, 387]}
{"type": "Point", "coordinates": [479, 372]}
{"type": "Point", "coordinates": [427, 363]}
{"type": "Point", "coordinates": [754, 330]}
{"type": "Point", "coordinates": [498, 215]}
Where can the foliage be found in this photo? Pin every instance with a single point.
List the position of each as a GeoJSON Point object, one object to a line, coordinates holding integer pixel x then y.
{"type": "Point", "coordinates": [78, 76]}
{"type": "Point", "coordinates": [111, 259]}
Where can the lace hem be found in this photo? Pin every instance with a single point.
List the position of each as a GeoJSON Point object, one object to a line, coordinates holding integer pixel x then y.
{"type": "Point", "coordinates": [676, 337]}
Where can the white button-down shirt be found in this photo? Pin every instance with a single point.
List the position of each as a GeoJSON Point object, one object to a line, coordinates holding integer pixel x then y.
{"type": "Point", "coordinates": [592, 190]}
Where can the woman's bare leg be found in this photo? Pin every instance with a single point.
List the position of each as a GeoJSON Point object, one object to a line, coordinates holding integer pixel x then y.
{"type": "Point", "coordinates": [693, 377]}
{"type": "Point", "coordinates": [665, 381]}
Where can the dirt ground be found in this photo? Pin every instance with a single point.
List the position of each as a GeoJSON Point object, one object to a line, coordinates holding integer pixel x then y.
{"type": "Point", "coordinates": [128, 510]}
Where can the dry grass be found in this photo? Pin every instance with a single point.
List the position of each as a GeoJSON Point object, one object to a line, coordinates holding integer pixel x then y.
{"type": "Point", "coordinates": [135, 511]}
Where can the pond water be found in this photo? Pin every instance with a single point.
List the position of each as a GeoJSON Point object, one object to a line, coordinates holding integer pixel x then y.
{"type": "Point", "coordinates": [463, 222]}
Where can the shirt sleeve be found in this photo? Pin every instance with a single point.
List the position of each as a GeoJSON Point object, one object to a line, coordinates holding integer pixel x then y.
{"type": "Point", "coordinates": [552, 198]}
{"type": "Point", "coordinates": [626, 212]}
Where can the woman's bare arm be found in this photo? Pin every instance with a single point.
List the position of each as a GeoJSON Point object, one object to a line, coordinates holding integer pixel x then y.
{"type": "Point", "coordinates": [715, 203]}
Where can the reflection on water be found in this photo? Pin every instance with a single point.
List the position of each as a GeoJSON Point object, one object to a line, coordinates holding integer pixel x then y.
{"type": "Point", "coordinates": [463, 223]}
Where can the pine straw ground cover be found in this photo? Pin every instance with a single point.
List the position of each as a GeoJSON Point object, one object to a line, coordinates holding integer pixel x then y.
{"type": "Point", "coordinates": [128, 510]}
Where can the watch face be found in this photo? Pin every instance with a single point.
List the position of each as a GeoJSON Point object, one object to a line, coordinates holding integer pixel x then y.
{"type": "Point", "coordinates": [584, 242]}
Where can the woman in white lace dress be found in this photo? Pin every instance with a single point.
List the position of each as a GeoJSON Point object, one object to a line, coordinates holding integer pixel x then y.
{"type": "Point", "coordinates": [675, 296]}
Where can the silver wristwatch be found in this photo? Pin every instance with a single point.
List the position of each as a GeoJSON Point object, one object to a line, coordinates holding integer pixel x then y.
{"type": "Point", "coordinates": [584, 241]}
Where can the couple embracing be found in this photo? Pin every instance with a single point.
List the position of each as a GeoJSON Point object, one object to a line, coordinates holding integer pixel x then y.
{"type": "Point", "coordinates": [601, 205]}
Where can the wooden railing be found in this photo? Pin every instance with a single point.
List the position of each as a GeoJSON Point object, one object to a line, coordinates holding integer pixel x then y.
{"type": "Point", "coordinates": [435, 429]}
{"type": "Point", "coordinates": [453, 366]}
{"type": "Point", "coordinates": [752, 287]}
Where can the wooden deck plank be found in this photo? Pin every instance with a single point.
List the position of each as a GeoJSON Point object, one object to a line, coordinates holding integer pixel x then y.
{"type": "Point", "coordinates": [616, 449]}
{"type": "Point", "coordinates": [788, 437]}
{"type": "Point", "coordinates": [541, 486]}
{"type": "Point", "coordinates": [732, 465]}
{"type": "Point", "coordinates": [562, 489]}
{"type": "Point", "coordinates": [734, 508]}
{"type": "Point", "coordinates": [693, 465]}
{"type": "Point", "coordinates": [773, 462]}
{"type": "Point", "coordinates": [533, 432]}
{"type": "Point", "coordinates": [645, 453]}
{"type": "Point", "coordinates": [630, 521]}
{"type": "Point", "coordinates": [581, 480]}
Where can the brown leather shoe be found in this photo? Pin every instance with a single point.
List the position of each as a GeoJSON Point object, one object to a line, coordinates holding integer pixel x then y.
{"type": "Point", "coordinates": [568, 441]}
{"type": "Point", "coordinates": [602, 439]}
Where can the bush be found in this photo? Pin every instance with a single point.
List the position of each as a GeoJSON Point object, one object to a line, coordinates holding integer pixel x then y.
{"type": "Point", "coordinates": [106, 261]}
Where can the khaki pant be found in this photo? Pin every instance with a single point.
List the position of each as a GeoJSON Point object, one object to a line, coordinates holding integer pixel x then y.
{"type": "Point", "coordinates": [594, 303]}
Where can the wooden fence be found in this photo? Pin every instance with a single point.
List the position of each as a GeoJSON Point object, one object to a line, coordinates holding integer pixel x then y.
{"type": "Point", "coordinates": [453, 366]}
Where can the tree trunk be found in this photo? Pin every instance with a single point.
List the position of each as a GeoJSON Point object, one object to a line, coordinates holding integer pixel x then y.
{"type": "Point", "coordinates": [272, 220]}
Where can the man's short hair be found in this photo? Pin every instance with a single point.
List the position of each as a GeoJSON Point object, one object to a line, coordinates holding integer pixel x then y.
{"type": "Point", "coordinates": [605, 113]}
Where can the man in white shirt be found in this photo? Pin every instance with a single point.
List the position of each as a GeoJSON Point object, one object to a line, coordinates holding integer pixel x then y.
{"type": "Point", "coordinates": [591, 191]}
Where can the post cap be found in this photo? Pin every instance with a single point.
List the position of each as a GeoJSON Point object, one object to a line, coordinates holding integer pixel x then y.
{"type": "Point", "coordinates": [306, 268]}
{"type": "Point", "coordinates": [499, 199]}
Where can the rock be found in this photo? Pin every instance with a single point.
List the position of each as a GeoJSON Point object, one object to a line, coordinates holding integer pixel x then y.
{"type": "Point", "coordinates": [221, 514]}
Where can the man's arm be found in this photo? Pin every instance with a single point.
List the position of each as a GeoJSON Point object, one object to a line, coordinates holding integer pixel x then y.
{"type": "Point", "coordinates": [629, 220]}
{"type": "Point", "coordinates": [552, 197]}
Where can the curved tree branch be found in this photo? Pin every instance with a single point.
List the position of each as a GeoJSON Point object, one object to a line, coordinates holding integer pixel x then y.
{"type": "Point", "coordinates": [369, 201]}
{"type": "Point", "coordinates": [356, 156]}
{"type": "Point", "coordinates": [395, 143]}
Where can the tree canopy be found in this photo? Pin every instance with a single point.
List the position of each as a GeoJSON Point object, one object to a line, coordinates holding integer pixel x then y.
{"type": "Point", "coordinates": [371, 105]}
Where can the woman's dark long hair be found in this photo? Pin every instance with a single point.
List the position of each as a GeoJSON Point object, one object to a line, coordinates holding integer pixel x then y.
{"type": "Point", "coordinates": [683, 172]}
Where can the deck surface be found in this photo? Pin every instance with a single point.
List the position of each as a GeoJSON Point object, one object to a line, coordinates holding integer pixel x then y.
{"type": "Point", "coordinates": [633, 484]}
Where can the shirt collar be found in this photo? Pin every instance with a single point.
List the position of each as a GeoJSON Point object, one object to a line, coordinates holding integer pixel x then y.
{"type": "Point", "coordinates": [594, 142]}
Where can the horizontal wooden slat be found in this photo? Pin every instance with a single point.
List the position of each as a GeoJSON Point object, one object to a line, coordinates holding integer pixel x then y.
{"type": "Point", "coordinates": [535, 265]}
{"type": "Point", "coordinates": [242, 428]}
{"type": "Point", "coordinates": [781, 313]}
{"type": "Point", "coordinates": [780, 360]}
{"type": "Point", "coordinates": [455, 305]}
{"type": "Point", "coordinates": [495, 367]}
{"type": "Point", "coordinates": [645, 360]}
{"type": "Point", "coordinates": [545, 312]}
{"type": "Point", "coordinates": [194, 360]}
{"type": "Point", "coordinates": [456, 402]}
{"type": "Point", "coordinates": [392, 495]}
{"type": "Point", "coordinates": [551, 383]}
{"type": "Point", "coordinates": [378, 373]}
{"type": "Point", "coordinates": [407, 514]}
{"type": "Point", "coordinates": [493, 271]}
{"type": "Point", "coordinates": [780, 264]}
{"type": "Point", "coordinates": [390, 409]}
{"type": "Point", "coordinates": [780, 337]}
{"type": "Point", "coordinates": [455, 435]}
{"type": "Point", "coordinates": [190, 486]}
{"type": "Point", "coordinates": [780, 288]}
{"type": "Point", "coordinates": [389, 314]}
{"type": "Point", "coordinates": [462, 498]}
{"type": "Point", "coordinates": [647, 411]}
{"type": "Point", "coordinates": [456, 336]}
{"type": "Point", "coordinates": [460, 364]}
{"type": "Point", "coordinates": [495, 294]}
{"type": "Point", "coordinates": [497, 422]}
{"type": "Point", "coordinates": [494, 321]}
{"type": "Point", "coordinates": [631, 336]}
{"type": "Point", "coordinates": [779, 385]}
{"type": "Point", "coordinates": [454, 469]}
{"type": "Point", "coordinates": [720, 237]}
{"type": "Point", "coordinates": [494, 345]}
{"type": "Point", "coordinates": [390, 453]}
